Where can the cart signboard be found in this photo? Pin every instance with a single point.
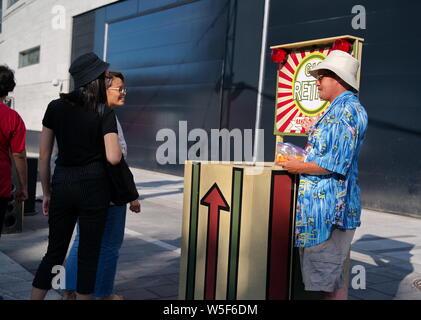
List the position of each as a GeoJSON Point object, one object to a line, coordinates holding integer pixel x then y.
{"type": "Point", "coordinates": [297, 96]}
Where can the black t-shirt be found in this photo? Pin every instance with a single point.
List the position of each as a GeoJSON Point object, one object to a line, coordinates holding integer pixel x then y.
{"type": "Point", "coordinates": [79, 133]}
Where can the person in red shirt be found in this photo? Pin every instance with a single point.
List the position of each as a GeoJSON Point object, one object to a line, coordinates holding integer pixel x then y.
{"type": "Point", "coordinates": [12, 146]}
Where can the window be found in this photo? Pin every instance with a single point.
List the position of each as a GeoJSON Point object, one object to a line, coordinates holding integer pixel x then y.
{"type": "Point", "coordinates": [29, 57]}
{"type": "Point", "coordinates": [11, 3]}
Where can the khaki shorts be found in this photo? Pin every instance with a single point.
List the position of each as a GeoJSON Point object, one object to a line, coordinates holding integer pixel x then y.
{"type": "Point", "coordinates": [322, 266]}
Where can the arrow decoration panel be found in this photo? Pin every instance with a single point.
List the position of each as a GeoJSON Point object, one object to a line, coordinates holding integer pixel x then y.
{"type": "Point", "coordinates": [237, 243]}
{"type": "Point", "coordinates": [215, 201]}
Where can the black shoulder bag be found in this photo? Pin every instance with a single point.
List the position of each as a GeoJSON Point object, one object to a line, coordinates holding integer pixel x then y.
{"type": "Point", "coordinates": [122, 186]}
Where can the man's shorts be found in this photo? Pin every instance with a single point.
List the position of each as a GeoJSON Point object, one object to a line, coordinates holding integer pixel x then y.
{"type": "Point", "coordinates": [322, 266]}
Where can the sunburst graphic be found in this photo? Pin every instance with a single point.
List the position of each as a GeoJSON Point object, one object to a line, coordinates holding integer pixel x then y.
{"type": "Point", "coordinates": [297, 94]}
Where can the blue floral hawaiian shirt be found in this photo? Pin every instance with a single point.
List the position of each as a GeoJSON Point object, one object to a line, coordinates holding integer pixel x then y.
{"type": "Point", "coordinates": [333, 200]}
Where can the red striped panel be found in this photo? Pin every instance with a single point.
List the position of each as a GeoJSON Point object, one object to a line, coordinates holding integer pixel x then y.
{"type": "Point", "coordinates": [289, 68]}
{"type": "Point", "coordinates": [284, 94]}
{"type": "Point", "coordinates": [285, 112]}
{"type": "Point", "coordinates": [285, 86]}
{"type": "Point", "coordinates": [284, 103]}
{"type": "Point", "coordinates": [294, 58]}
{"type": "Point", "coordinates": [286, 123]}
{"type": "Point", "coordinates": [280, 225]}
{"type": "Point", "coordinates": [284, 76]}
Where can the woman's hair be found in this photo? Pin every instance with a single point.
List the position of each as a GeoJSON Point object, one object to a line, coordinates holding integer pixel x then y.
{"type": "Point", "coordinates": [7, 81]}
{"type": "Point", "coordinates": [114, 74]}
{"type": "Point", "coordinates": [90, 96]}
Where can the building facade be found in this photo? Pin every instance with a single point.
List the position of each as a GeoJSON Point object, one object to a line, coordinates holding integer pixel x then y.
{"type": "Point", "coordinates": [35, 41]}
{"type": "Point", "coordinates": [197, 62]}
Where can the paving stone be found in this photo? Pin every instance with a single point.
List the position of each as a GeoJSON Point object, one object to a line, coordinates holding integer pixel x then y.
{"type": "Point", "coordinates": [376, 278]}
{"type": "Point", "coordinates": [352, 297]}
{"type": "Point", "coordinates": [408, 296]}
{"type": "Point", "coordinates": [138, 294]}
{"type": "Point", "coordinates": [369, 294]}
{"type": "Point", "coordinates": [390, 288]}
{"type": "Point", "coordinates": [358, 257]}
{"type": "Point", "coordinates": [7, 280]}
{"type": "Point", "coordinates": [24, 275]}
{"type": "Point", "coordinates": [149, 271]}
{"type": "Point", "coordinates": [169, 298]}
{"type": "Point", "coordinates": [174, 278]}
{"type": "Point", "coordinates": [143, 282]}
{"type": "Point", "coordinates": [53, 295]}
{"type": "Point", "coordinates": [21, 287]}
{"type": "Point", "coordinates": [165, 291]}
{"type": "Point", "coordinates": [127, 257]}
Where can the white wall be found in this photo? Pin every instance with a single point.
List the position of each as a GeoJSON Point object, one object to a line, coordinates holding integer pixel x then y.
{"type": "Point", "coordinates": [27, 24]}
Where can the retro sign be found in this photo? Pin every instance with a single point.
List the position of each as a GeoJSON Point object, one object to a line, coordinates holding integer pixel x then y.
{"type": "Point", "coordinates": [297, 95]}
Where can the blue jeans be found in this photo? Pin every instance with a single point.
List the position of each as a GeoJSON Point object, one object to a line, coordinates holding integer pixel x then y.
{"type": "Point", "coordinates": [112, 240]}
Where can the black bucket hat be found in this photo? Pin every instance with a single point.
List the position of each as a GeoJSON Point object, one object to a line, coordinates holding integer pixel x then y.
{"type": "Point", "coordinates": [86, 68]}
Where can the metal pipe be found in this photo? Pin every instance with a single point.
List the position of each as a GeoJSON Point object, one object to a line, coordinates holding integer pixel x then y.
{"type": "Point", "coordinates": [261, 80]}
{"type": "Point", "coordinates": [105, 51]}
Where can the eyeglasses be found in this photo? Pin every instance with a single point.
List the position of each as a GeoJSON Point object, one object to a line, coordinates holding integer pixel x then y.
{"type": "Point", "coordinates": [321, 76]}
{"type": "Point", "coordinates": [121, 90]}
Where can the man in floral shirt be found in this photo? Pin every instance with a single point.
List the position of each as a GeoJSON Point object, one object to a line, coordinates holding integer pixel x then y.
{"type": "Point", "coordinates": [328, 204]}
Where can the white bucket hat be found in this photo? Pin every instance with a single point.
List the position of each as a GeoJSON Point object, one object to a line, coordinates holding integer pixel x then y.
{"type": "Point", "coordinates": [342, 64]}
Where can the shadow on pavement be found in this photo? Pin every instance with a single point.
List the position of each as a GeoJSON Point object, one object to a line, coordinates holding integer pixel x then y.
{"type": "Point", "coordinates": [387, 262]}
{"type": "Point", "coordinates": [160, 194]}
{"type": "Point", "coordinates": [157, 184]}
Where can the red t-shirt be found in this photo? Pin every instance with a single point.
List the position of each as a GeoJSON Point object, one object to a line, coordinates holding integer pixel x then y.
{"type": "Point", "coordinates": [12, 140]}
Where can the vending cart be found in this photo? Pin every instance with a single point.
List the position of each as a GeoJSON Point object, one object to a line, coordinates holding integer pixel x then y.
{"type": "Point", "coordinates": [238, 218]}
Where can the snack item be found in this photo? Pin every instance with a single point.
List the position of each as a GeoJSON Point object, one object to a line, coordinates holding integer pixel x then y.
{"type": "Point", "coordinates": [285, 149]}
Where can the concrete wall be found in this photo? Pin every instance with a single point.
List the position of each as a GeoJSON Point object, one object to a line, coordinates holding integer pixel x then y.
{"type": "Point", "coordinates": [32, 23]}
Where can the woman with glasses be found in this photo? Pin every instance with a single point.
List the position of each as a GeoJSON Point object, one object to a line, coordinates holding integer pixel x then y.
{"type": "Point", "coordinates": [116, 220]}
{"type": "Point", "coordinates": [79, 190]}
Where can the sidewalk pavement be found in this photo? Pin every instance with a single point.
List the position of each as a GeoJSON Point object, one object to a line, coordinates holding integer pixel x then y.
{"type": "Point", "coordinates": [386, 247]}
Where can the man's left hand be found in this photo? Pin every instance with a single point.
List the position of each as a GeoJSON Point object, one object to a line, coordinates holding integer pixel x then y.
{"type": "Point", "coordinates": [293, 165]}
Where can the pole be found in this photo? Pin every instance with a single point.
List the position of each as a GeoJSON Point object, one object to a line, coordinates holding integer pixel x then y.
{"type": "Point", "coordinates": [257, 136]}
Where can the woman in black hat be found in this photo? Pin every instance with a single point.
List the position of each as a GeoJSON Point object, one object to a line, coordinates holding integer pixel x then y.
{"type": "Point", "coordinates": [112, 239]}
{"type": "Point", "coordinates": [79, 188]}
